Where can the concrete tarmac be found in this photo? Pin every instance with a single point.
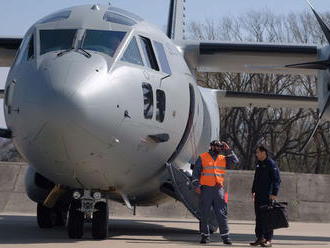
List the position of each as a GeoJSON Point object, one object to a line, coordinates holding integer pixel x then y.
{"type": "Point", "coordinates": [18, 230]}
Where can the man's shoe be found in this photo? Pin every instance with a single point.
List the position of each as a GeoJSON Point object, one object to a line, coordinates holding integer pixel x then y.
{"type": "Point", "coordinates": [227, 242]}
{"type": "Point", "coordinates": [205, 239]}
{"type": "Point", "coordinates": [258, 242]}
{"type": "Point", "coordinates": [268, 243]}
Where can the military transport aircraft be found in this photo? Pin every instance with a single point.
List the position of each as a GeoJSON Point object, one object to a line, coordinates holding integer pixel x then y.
{"type": "Point", "coordinates": [103, 105]}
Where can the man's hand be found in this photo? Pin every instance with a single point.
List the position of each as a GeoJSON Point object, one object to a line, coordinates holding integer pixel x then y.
{"type": "Point", "coordinates": [226, 146]}
{"type": "Point", "coordinates": [272, 197]}
{"type": "Point", "coordinates": [253, 196]}
{"type": "Point", "coordinates": [198, 190]}
{"type": "Point", "coordinates": [196, 186]}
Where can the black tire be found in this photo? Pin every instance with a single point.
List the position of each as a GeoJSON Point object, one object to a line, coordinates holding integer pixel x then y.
{"type": "Point", "coordinates": [46, 217]}
{"type": "Point", "coordinates": [75, 221]}
{"type": "Point", "coordinates": [100, 221]}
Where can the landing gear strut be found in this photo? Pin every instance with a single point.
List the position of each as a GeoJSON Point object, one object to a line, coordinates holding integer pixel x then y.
{"type": "Point", "coordinates": [88, 207]}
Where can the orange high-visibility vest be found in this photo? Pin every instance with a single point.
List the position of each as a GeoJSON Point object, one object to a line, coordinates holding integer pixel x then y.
{"type": "Point", "coordinates": [212, 171]}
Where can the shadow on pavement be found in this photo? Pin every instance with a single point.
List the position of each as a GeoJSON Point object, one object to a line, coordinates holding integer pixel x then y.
{"type": "Point", "coordinates": [24, 230]}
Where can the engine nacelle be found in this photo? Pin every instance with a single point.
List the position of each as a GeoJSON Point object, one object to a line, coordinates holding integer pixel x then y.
{"type": "Point", "coordinates": [37, 186]}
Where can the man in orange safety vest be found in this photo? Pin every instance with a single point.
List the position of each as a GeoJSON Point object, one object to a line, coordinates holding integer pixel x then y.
{"type": "Point", "coordinates": [208, 178]}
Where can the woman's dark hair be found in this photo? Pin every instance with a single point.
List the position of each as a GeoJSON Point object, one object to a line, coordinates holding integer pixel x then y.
{"type": "Point", "coordinates": [262, 148]}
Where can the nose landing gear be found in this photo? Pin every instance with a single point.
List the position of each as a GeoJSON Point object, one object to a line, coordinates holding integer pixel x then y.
{"type": "Point", "coordinates": [88, 207]}
{"type": "Point", "coordinates": [75, 220]}
{"type": "Point", "coordinates": [100, 221]}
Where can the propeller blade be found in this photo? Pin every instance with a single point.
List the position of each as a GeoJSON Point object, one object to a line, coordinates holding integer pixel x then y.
{"type": "Point", "coordinates": [316, 125]}
{"type": "Point", "coordinates": [310, 136]}
{"type": "Point", "coordinates": [324, 27]}
{"type": "Point", "coordinates": [315, 65]}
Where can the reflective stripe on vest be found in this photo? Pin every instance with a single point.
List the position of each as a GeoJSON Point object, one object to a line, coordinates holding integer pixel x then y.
{"type": "Point", "coordinates": [212, 171]}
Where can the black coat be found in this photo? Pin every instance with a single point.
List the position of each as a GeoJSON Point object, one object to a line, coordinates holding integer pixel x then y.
{"type": "Point", "coordinates": [266, 180]}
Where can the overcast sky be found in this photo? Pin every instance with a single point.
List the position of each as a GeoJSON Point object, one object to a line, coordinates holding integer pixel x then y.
{"type": "Point", "coordinates": [16, 16]}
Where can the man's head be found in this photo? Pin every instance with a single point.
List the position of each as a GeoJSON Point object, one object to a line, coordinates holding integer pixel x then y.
{"type": "Point", "coordinates": [216, 146]}
{"type": "Point", "coordinates": [261, 152]}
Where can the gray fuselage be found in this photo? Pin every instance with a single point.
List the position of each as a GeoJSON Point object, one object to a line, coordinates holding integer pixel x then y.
{"type": "Point", "coordinates": [92, 119]}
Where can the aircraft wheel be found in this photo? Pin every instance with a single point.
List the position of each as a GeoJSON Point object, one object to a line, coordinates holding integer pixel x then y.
{"type": "Point", "coordinates": [75, 221]}
{"type": "Point", "coordinates": [46, 217]}
{"type": "Point", "coordinates": [100, 221]}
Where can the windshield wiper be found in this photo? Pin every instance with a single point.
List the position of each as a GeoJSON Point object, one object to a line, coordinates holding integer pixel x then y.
{"type": "Point", "coordinates": [84, 52]}
{"type": "Point", "coordinates": [64, 52]}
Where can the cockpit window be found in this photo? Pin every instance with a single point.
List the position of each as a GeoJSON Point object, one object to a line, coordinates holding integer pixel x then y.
{"type": "Point", "coordinates": [30, 53]}
{"type": "Point", "coordinates": [102, 41]}
{"type": "Point", "coordinates": [117, 18]}
{"type": "Point", "coordinates": [56, 17]}
{"type": "Point", "coordinates": [132, 53]}
{"type": "Point", "coordinates": [162, 57]}
{"type": "Point", "coordinates": [26, 50]}
{"type": "Point", "coordinates": [149, 53]}
{"type": "Point", "coordinates": [56, 40]}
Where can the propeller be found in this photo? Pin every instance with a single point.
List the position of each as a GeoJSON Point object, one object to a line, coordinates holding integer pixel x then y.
{"type": "Point", "coordinates": [321, 65]}
{"type": "Point", "coordinates": [326, 105]}
{"type": "Point", "coordinates": [324, 27]}
{"type": "Point", "coordinates": [315, 65]}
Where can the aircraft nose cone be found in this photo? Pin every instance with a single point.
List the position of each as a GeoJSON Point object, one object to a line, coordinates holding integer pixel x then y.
{"type": "Point", "coordinates": [59, 102]}
{"type": "Point", "coordinates": [71, 118]}
{"type": "Point", "coordinates": [66, 75]}
{"type": "Point", "coordinates": [68, 120]}
{"type": "Point", "coordinates": [62, 78]}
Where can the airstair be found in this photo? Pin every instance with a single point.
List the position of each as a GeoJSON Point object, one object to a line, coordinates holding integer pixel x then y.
{"type": "Point", "coordinates": [179, 187]}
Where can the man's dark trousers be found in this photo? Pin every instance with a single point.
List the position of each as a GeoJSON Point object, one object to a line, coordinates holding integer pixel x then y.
{"type": "Point", "coordinates": [213, 197]}
{"type": "Point", "coordinates": [261, 230]}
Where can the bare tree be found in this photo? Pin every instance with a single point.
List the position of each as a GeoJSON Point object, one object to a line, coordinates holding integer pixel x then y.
{"type": "Point", "coordinates": [283, 130]}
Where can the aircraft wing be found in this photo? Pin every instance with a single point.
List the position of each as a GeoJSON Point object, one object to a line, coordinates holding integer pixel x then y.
{"type": "Point", "coordinates": [8, 49]}
{"type": "Point", "coordinates": [251, 57]}
{"type": "Point", "coordinates": [244, 99]}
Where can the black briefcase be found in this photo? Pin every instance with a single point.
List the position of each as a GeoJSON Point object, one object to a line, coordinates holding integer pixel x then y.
{"type": "Point", "coordinates": [276, 215]}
